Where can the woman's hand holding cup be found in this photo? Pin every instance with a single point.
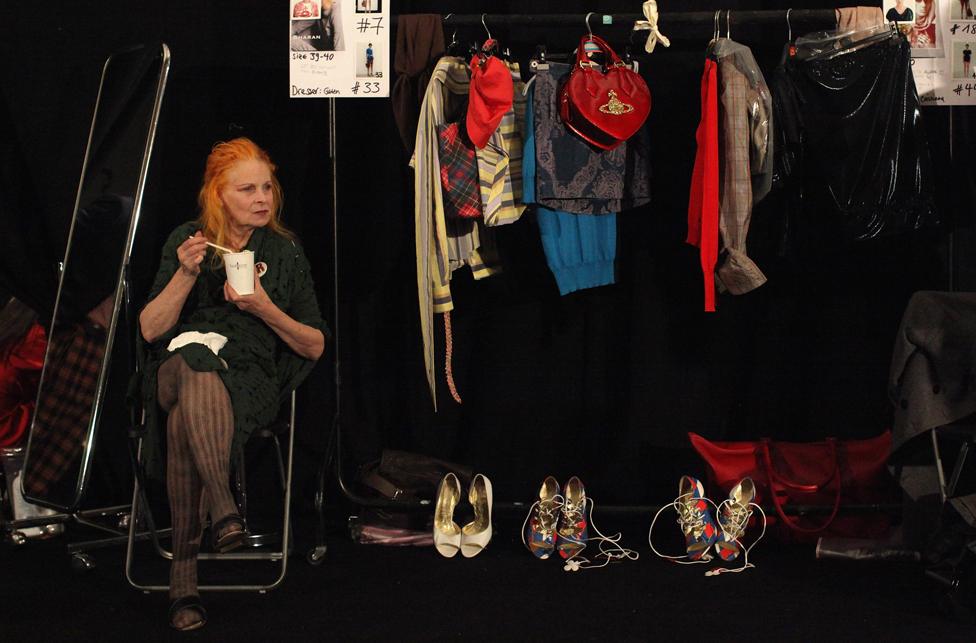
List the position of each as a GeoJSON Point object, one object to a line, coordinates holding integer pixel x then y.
{"type": "Point", "coordinates": [256, 303]}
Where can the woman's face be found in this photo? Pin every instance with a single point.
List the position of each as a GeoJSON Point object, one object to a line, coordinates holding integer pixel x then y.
{"type": "Point", "coordinates": [247, 196]}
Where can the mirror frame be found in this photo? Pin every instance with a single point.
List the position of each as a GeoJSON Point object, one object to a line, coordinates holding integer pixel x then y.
{"type": "Point", "coordinates": [85, 471]}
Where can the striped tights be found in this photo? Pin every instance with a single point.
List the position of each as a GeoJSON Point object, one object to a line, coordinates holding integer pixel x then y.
{"type": "Point", "coordinates": [199, 431]}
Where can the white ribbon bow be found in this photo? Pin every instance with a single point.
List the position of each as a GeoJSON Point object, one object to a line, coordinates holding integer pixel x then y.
{"type": "Point", "coordinates": [650, 12]}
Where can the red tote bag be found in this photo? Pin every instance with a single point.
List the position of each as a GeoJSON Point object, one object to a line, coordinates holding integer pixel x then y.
{"type": "Point", "coordinates": [828, 475]}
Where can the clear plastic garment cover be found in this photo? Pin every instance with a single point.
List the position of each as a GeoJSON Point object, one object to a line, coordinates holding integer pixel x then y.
{"type": "Point", "coordinates": [849, 133]}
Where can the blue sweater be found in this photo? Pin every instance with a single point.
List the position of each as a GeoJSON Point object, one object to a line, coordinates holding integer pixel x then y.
{"type": "Point", "coordinates": [580, 248]}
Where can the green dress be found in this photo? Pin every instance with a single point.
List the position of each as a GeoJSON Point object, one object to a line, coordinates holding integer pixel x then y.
{"type": "Point", "coordinates": [261, 370]}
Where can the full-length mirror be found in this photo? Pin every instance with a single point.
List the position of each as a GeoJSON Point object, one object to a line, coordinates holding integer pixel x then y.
{"type": "Point", "coordinates": [86, 312]}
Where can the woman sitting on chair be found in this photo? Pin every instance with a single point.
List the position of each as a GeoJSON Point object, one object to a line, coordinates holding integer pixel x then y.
{"type": "Point", "coordinates": [219, 362]}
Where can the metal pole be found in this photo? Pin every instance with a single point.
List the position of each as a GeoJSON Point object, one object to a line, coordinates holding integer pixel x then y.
{"type": "Point", "coordinates": [333, 154]}
{"type": "Point", "coordinates": [952, 233]}
{"type": "Point", "coordinates": [317, 553]}
{"type": "Point", "coordinates": [672, 18]}
{"type": "Point", "coordinates": [682, 23]}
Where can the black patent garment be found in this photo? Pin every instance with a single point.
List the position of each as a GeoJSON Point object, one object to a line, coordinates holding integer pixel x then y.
{"type": "Point", "coordinates": [851, 139]}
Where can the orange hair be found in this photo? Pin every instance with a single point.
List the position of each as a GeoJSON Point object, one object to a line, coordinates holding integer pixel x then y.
{"type": "Point", "coordinates": [222, 157]}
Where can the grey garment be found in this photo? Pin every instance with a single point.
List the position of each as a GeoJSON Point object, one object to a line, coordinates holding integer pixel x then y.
{"type": "Point", "coordinates": [746, 159]}
{"type": "Point", "coordinates": [932, 381]}
{"type": "Point", "coordinates": [573, 176]}
{"type": "Point", "coordinates": [760, 113]}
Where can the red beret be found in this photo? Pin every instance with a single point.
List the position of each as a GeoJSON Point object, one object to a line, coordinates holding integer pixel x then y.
{"type": "Point", "coordinates": [491, 96]}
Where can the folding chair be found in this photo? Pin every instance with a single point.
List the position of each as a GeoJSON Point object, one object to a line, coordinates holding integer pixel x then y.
{"type": "Point", "coordinates": [142, 514]}
{"type": "Point", "coordinates": [965, 435]}
{"type": "Point", "coordinates": [955, 550]}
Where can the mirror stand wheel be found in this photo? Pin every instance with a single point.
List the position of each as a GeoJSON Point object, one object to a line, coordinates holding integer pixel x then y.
{"type": "Point", "coordinates": [17, 538]}
{"type": "Point", "coordinates": [316, 555]}
{"type": "Point", "coordinates": [82, 562]}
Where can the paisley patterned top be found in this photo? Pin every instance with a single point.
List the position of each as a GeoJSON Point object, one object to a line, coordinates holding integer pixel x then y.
{"type": "Point", "coordinates": [573, 176]}
{"type": "Point", "coordinates": [261, 370]}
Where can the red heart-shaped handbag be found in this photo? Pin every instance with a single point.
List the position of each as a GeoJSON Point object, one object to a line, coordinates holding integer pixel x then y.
{"type": "Point", "coordinates": [604, 105]}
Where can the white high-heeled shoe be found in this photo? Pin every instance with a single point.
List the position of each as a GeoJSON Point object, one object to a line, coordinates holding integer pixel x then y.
{"type": "Point", "coordinates": [447, 534]}
{"type": "Point", "coordinates": [476, 534]}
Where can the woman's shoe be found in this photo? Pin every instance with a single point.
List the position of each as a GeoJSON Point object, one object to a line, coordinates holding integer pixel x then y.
{"type": "Point", "coordinates": [695, 518]}
{"type": "Point", "coordinates": [733, 518]}
{"type": "Point", "coordinates": [227, 534]}
{"type": "Point", "coordinates": [572, 531]}
{"type": "Point", "coordinates": [476, 534]}
{"type": "Point", "coordinates": [188, 604]}
{"type": "Point", "coordinates": [540, 528]}
{"type": "Point", "coordinates": [447, 534]}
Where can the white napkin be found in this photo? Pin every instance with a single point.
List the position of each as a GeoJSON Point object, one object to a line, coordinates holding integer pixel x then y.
{"type": "Point", "coordinates": [213, 341]}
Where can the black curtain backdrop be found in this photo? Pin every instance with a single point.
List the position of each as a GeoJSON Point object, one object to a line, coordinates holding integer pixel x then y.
{"type": "Point", "coordinates": [602, 383]}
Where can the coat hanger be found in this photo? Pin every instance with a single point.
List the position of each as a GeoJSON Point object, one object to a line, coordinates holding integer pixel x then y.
{"type": "Point", "coordinates": [536, 62]}
{"type": "Point", "coordinates": [494, 49]}
{"type": "Point", "coordinates": [543, 56]}
{"type": "Point", "coordinates": [594, 48]}
{"type": "Point", "coordinates": [490, 46]}
{"type": "Point", "coordinates": [790, 50]}
{"type": "Point", "coordinates": [449, 50]}
{"type": "Point", "coordinates": [452, 46]}
{"type": "Point", "coordinates": [538, 59]}
{"type": "Point", "coordinates": [715, 30]}
{"type": "Point", "coordinates": [628, 56]}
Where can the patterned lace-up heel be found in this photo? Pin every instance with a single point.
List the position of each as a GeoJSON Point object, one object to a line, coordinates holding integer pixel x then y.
{"type": "Point", "coordinates": [695, 519]}
{"type": "Point", "coordinates": [539, 533]}
{"type": "Point", "coordinates": [733, 518]}
{"type": "Point", "coordinates": [572, 532]}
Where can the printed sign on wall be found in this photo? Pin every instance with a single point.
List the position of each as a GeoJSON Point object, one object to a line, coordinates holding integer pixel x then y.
{"type": "Point", "coordinates": [339, 48]}
{"type": "Point", "coordinates": [942, 33]}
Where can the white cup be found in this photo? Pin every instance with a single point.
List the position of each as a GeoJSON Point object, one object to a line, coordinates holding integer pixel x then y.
{"type": "Point", "coordinates": [240, 271]}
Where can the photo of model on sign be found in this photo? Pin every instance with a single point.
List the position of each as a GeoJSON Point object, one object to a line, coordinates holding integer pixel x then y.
{"type": "Point", "coordinates": [321, 34]}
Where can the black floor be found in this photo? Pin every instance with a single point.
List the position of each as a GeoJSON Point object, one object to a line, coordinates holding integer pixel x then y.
{"type": "Point", "coordinates": [375, 593]}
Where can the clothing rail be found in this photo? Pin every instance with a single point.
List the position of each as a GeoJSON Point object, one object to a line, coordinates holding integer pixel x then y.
{"type": "Point", "coordinates": [681, 23]}
{"type": "Point", "coordinates": [675, 25]}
